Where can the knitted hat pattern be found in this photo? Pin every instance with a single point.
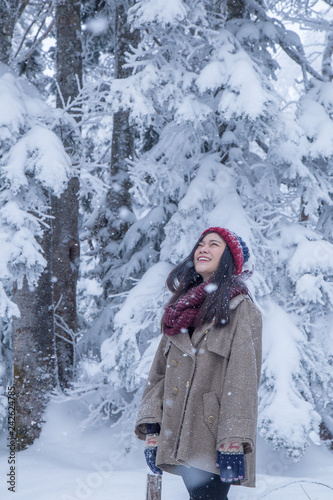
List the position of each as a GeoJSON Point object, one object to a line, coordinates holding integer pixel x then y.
{"type": "Point", "coordinates": [238, 247]}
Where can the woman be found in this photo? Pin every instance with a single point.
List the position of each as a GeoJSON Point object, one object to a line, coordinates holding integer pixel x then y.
{"type": "Point", "coordinates": [198, 412]}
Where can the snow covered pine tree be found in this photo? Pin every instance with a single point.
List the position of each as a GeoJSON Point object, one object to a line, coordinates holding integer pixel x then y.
{"type": "Point", "coordinates": [216, 149]}
{"type": "Point", "coordinates": [33, 165]}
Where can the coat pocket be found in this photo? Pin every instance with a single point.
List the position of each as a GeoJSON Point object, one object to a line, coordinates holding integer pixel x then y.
{"type": "Point", "coordinates": [211, 408]}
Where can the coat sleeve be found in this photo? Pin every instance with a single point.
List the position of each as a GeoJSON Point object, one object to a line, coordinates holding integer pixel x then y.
{"type": "Point", "coordinates": [239, 400]}
{"type": "Point", "coordinates": [151, 406]}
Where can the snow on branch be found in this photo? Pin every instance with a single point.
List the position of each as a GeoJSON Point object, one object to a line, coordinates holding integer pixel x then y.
{"type": "Point", "coordinates": [33, 164]}
{"type": "Point", "coordinates": [286, 413]}
{"type": "Point", "coordinates": [159, 11]}
{"type": "Point", "coordinates": [289, 43]}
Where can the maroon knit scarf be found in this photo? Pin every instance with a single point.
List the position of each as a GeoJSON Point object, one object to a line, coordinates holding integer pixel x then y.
{"type": "Point", "coordinates": [181, 315]}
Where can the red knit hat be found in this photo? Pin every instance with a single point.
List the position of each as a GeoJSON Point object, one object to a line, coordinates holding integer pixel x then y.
{"type": "Point", "coordinates": [238, 248]}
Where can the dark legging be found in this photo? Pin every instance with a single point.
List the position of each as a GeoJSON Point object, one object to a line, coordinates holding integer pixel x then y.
{"type": "Point", "coordinates": [204, 485]}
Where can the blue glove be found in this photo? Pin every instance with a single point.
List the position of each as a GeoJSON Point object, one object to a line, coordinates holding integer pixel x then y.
{"type": "Point", "coordinates": [151, 447]}
{"type": "Point", "coordinates": [231, 466]}
{"type": "Point", "coordinates": [150, 455]}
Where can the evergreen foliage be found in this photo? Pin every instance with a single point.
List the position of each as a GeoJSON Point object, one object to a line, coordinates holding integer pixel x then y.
{"type": "Point", "coordinates": [215, 144]}
{"type": "Point", "coordinates": [221, 152]}
{"type": "Point", "coordinates": [33, 165]}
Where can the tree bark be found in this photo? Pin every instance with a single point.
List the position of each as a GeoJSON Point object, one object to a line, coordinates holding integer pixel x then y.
{"type": "Point", "coordinates": [303, 217]}
{"type": "Point", "coordinates": [111, 223]}
{"type": "Point", "coordinates": [235, 8]}
{"type": "Point", "coordinates": [327, 57]}
{"type": "Point", "coordinates": [34, 352]}
{"type": "Point", "coordinates": [69, 49]}
{"type": "Point", "coordinates": [65, 209]}
{"type": "Point", "coordinates": [44, 333]}
{"type": "Point", "coordinates": [8, 15]}
{"type": "Point", "coordinates": [65, 259]}
{"type": "Point", "coordinates": [154, 487]}
{"type": "Point", "coordinates": [122, 133]}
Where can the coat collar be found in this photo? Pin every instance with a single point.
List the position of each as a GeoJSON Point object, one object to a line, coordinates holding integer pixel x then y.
{"type": "Point", "coordinates": [188, 345]}
{"type": "Point", "coordinates": [236, 301]}
{"type": "Point", "coordinates": [183, 342]}
{"type": "Point", "coordinates": [200, 333]}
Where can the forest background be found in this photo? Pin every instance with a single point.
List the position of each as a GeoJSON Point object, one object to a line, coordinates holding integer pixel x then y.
{"type": "Point", "coordinates": [126, 128]}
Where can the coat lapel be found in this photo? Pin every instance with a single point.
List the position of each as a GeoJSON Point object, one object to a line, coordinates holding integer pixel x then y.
{"type": "Point", "coordinates": [236, 300]}
{"type": "Point", "coordinates": [199, 334]}
{"type": "Point", "coordinates": [183, 342]}
{"type": "Point", "coordinates": [219, 340]}
{"type": "Point", "coordinates": [216, 342]}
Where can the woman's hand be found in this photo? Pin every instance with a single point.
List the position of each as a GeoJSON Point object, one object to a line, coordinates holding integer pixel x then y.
{"type": "Point", "coordinates": [150, 453]}
{"type": "Point", "coordinates": [230, 460]}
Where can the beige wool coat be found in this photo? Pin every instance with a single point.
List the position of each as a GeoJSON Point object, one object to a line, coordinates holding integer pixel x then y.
{"type": "Point", "coordinates": [203, 392]}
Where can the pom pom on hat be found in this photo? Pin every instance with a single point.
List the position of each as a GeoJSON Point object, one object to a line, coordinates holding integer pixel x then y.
{"type": "Point", "coordinates": [238, 247]}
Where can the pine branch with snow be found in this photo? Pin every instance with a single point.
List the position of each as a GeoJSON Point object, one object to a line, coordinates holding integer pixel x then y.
{"type": "Point", "coordinates": [216, 149]}
{"type": "Point", "coordinates": [33, 165]}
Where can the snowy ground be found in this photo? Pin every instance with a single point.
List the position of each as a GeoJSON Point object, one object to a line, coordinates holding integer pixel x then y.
{"type": "Point", "coordinates": [68, 463]}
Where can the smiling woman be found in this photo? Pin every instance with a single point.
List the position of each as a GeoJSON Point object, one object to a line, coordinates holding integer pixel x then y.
{"type": "Point", "coordinates": [198, 413]}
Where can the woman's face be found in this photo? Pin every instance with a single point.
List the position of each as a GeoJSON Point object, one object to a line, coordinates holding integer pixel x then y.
{"type": "Point", "coordinates": [208, 254]}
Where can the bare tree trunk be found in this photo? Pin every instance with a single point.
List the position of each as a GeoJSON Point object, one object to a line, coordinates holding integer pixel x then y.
{"type": "Point", "coordinates": [303, 217]}
{"type": "Point", "coordinates": [65, 210]}
{"type": "Point", "coordinates": [41, 360]}
{"type": "Point", "coordinates": [8, 15]}
{"type": "Point", "coordinates": [327, 57]}
{"type": "Point", "coordinates": [34, 352]}
{"type": "Point", "coordinates": [115, 217]}
{"type": "Point", "coordinates": [122, 133]}
{"type": "Point", "coordinates": [154, 487]}
{"type": "Point", "coordinates": [65, 258]}
{"type": "Point", "coordinates": [235, 8]}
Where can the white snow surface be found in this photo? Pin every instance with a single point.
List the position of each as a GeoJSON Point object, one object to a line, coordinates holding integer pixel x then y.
{"type": "Point", "coordinates": [70, 463]}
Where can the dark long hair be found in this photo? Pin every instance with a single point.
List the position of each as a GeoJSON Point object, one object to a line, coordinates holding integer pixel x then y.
{"type": "Point", "coordinates": [216, 305]}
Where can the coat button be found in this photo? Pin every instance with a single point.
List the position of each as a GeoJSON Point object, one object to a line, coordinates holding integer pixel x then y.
{"type": "Point", "coordinates": [175, 391]}
{"type": "Point", "coordinates": [174, 362]}
{"type": "Point", "coordinates": [211, 419]}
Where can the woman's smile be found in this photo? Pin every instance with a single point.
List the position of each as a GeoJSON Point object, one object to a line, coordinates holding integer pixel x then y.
{"type": "Point", "coordinates": [208, 254]}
